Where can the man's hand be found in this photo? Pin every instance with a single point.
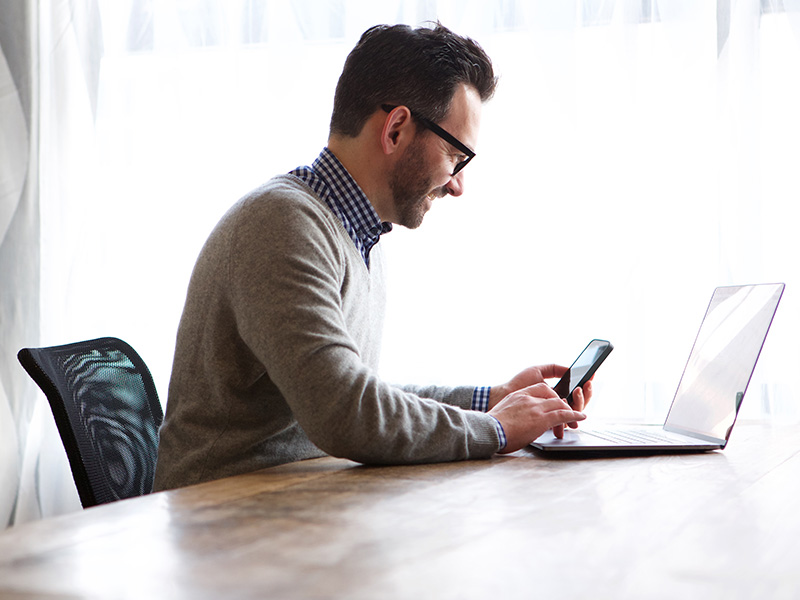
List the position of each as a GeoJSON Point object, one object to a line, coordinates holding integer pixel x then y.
{"type": "Point", "coordinates": [531, 378]}
{"type": "Point", "coordinates": [527, 413]}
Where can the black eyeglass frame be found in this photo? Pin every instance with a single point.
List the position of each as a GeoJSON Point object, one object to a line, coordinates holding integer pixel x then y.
{"type": "Point", "coordinates": [442, 133]}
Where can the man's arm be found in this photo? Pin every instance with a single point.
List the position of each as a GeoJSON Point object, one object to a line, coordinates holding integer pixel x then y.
{"type": "Point", "coordinates": [291, 312]}
{"type": "Point", "coordinates": [522, 417]}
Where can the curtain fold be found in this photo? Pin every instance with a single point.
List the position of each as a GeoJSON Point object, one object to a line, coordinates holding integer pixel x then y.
{"type": "Point", "coordinates": [19, 238]}
{"type": "Point", "coordinates": [637, 154]}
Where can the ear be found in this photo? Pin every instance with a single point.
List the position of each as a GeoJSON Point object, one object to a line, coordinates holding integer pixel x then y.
{"type": "Point", "coordinates": [397, 130]}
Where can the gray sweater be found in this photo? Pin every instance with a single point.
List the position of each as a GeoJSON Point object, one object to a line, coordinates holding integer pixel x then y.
{"type": "Point", "coordinates": [277, 352]}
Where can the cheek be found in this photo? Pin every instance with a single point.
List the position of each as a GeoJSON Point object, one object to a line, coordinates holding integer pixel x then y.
{"type": "Point", "coordinates": [440, 171]}
{"type": "Point", "coordinates": [431, 166]}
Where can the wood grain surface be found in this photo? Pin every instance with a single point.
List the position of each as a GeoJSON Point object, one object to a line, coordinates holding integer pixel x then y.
{"type": "Point", "coordinates": [716, 525]}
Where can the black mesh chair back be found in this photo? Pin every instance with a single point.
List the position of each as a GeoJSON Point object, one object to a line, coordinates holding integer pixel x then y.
{"type": "Point", "coordinates": [107, 412]}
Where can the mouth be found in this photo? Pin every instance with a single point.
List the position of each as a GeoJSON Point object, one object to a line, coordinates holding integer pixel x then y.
{"type": "Point", "coordinates": [437, 193]}
{"type": "Point", "coordinates": [429, 198]}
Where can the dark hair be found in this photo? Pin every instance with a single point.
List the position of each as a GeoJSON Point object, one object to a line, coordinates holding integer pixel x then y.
{"type": "Point", "coordinates": [418, 68]}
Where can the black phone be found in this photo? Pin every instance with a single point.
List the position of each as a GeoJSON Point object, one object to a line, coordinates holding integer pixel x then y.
{"type": "Point", "coordinates": [583, 368]}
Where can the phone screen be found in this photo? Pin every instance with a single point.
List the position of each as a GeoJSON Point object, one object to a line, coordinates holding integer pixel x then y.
{"type": "Point", "coordinates": [583, 368]}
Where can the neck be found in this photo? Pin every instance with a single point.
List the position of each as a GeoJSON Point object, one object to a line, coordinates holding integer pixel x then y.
{"type": "Point", "coordinates": [367, 167]}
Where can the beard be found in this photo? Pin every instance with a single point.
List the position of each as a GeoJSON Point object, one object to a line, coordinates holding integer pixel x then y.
{"type": "Point", "coordinates": [410, 184]}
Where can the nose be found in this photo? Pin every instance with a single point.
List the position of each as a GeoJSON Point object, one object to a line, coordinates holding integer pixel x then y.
{"type": "Point", "coordinates": [455, 187]}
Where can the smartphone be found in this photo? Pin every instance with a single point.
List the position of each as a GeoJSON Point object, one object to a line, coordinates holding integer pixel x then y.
{"type": "Point", "coordinates": [583, 368]}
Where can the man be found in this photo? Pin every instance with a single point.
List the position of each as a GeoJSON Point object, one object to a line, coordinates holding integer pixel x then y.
{"type": "Point", "coordinates": [278, 343]}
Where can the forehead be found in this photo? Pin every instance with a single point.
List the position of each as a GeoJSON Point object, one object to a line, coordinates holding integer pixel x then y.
{"type": "Point", "coordinates": [463, 120]}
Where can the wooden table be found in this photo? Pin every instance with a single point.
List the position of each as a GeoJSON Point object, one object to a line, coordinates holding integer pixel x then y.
{"type": "Point", "coordinates": [718, 525]}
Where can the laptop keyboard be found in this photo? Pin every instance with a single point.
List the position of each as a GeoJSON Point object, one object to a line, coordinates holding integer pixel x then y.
{"type": "Point", "coordinates": [633, 437]}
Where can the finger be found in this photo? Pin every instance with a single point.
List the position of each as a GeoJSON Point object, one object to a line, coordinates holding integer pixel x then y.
{"type": "Point", "coordinates": [578, 399]}
{"type": "Point", "coordinates": [574, 424]}
{"type": "Point", "coordinates": [541, 390]}
{"type": "Point", "coordinates": [568, 418]}
{"type": "Point", "coordinates": [588, 390]}
{"type": "Point", "coordinates": [563, 416]}
{"type": "Point", "coordinates": [552, 371]}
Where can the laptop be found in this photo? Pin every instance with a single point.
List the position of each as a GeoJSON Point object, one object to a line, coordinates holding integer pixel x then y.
{"type": "Point", "coordinates": [711, 389]}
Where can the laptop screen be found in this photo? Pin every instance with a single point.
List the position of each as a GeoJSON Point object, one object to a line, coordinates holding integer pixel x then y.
{"type": "Point", "coordinates": [722, 360]}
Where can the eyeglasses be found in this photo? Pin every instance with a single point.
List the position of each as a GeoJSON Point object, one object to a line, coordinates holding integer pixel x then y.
{"type": "Point", "coordinates": [448, 137]}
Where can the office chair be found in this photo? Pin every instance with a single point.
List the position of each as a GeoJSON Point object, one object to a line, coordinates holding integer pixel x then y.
{"type": "Point", "coordinates": [107, 412]}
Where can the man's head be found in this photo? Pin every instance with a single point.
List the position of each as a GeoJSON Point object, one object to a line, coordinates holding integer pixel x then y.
{"type": "Point", "coordinates": [406, 116]}
{"type": "Point", "coordinates": [419, 68]}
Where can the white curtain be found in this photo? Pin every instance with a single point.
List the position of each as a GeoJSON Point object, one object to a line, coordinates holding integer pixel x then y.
{"type": "Point", "coordinates": [19, 234]}
{"type": "Point", "coordinates": [637, 154]}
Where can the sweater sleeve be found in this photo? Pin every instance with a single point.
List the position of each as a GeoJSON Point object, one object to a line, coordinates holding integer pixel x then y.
{"type": "Point", "coordinates": [288, 309]}
{"type": "Point", "coordinates": [456, 396]}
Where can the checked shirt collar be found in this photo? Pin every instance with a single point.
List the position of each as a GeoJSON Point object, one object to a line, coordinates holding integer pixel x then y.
{"type": "Point", "coordinates": [337, 188]}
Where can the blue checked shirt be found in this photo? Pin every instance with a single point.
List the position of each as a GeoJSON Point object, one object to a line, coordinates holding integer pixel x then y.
{"type": "Point", "coordinates": [337, 188]}
{"type": "Point", "coordinates": [328, 178]}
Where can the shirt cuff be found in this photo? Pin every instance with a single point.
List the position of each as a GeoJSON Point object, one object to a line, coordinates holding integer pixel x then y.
{"type": "Point", "coordinates": [480, 398]}
{"type": "Point", "coordinates": [480, 402]}
{"type": "Point", "coordinates": [501, 434]}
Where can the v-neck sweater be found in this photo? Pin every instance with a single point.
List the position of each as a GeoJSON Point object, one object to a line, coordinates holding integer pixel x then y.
{"type": "Point", "coordinates": [277, 354]}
